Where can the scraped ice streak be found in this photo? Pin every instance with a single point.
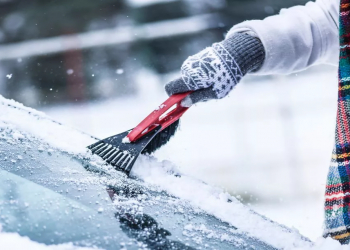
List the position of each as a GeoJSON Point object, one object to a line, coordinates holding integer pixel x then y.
{"type": "Point", "coordinates": [210, 199]}
{"type": "Point", "coordinates": [13, 241]}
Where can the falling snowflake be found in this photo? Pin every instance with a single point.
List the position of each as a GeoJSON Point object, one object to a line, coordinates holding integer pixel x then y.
{"type": "Point", "coordinates": [119, 71]}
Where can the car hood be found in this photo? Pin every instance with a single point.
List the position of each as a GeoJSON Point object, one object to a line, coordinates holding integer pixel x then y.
{"type": "Point", "coordinates": [156, 206]}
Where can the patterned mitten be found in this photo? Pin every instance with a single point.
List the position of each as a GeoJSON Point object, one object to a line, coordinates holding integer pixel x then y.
{"type": "Point", "coordinates": [213, 72]}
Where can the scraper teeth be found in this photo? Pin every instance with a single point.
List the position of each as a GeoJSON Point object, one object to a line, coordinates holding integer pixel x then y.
{"type": "Point", "coordinates": [117, 157]}
{"type": "Point", "coordinates": [127, 161]}
{"type": "Point", "coordinates": [111, 157]}
{"type": "Point", "coordinates": [105, 151]}
{"type": "Point", "coordinates": [121, 158]}
{"type": "Point", "coordinates": [112, 149]}
{"type": "Point", "coordinates": [94, 148]}
{"type": "Point", "coordinates": [130, 161]}
{"type": "Point", "coordinates": [101, 149]}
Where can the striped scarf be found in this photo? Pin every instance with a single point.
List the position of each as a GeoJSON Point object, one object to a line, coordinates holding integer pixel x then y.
{"type": "Point", "coordinates": [337, 202]}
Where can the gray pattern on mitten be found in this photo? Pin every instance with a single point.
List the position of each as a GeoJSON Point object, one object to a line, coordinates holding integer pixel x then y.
{"type": "Point", "coordinates": [213, 66]}
{"type": "Point", "coordinates": [215, 71]}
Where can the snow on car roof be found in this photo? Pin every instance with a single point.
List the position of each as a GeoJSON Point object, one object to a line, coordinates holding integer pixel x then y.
{"type": "Point", "coordinates": [22, 120]}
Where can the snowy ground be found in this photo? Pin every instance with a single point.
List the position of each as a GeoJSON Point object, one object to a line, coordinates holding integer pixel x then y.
{"type": "Point", "coordinates": [270, 142]}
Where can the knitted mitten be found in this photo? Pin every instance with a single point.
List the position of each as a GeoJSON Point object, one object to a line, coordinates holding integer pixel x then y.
{"type": "Point", "coordinates": [213, 72]}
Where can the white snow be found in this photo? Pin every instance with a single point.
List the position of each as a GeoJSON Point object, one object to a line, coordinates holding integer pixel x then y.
{"type": "Point", "coordinates": [119, 71]}
{"type": "Point", "coordinates": [13, 241]}
{"type": "Point", "coordinates": [42, 127]}
{"type": "Point", "coordinates": [324, 244]}
{"type": "Point", "coordinates": [141, 3]}
{"type": "Point", "coordinates": [17, 135]}
{"type": "Point", "coordinates": [160, 107]}
{"type": "Point", "coordinates": [214, 201]}
{"type": "Point", "coordinates": [126, 140]}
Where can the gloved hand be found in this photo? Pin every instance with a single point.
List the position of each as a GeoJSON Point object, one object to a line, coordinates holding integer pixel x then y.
{"type": "Point", "coordinates": [213, 72]}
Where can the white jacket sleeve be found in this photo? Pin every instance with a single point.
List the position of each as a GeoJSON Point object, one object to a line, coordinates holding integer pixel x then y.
{"type": "Point", "coordinates": [298, 37]}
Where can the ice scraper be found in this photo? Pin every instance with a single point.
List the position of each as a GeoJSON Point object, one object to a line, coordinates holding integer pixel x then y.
{"type": "Point", "coordinates": [122, 150]}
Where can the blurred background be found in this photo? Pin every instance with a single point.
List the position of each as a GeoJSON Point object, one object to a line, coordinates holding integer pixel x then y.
{"type": "Point", "coordinates": [100, 66]}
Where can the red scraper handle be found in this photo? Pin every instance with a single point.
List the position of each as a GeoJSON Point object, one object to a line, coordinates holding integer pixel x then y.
{"type": "Point", "coordinates": [166, 114]}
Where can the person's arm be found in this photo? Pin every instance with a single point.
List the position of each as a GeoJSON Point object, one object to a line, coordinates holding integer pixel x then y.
{"type": "Point", "coordinates": [295, 39]}
{"type": "Point", "coordinates": [298, 37]}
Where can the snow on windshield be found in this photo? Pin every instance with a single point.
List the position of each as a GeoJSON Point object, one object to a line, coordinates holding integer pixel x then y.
{"type": "Point", "coordinates": [22, 120]}
{"type": "Point", "coordinates": [12, 241]}
{"type": "Point", "coordinates": [26, 120]}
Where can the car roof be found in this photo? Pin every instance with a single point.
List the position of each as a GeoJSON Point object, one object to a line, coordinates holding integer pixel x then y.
{"type": "Point", "coordinates": [138, 207]}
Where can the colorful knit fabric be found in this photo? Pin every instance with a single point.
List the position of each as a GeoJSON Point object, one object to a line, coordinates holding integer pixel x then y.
{"type": "Point", "coordinates": [337, 203]}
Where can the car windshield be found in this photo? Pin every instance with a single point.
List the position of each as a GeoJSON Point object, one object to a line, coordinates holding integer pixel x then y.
{"type": "Point", "coordinates": [53, 197]}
